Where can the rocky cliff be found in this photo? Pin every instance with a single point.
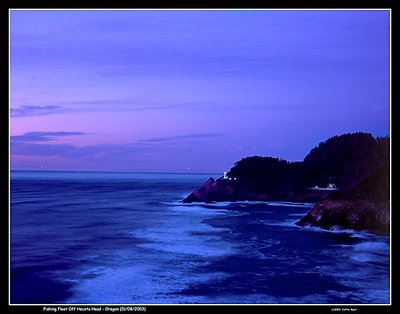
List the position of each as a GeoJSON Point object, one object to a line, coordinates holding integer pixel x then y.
{"type": "Point", "coordinates": [223, 190]}
{"type": "Point", "coordinates": [356, 162]}
{"type": "Point", "coordinates": [213, 191]}
{"type": "Point", "coordinates": [363, 207]}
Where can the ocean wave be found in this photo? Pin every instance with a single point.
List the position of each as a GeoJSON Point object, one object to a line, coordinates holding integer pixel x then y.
{"type": "Point", "coordinates": [241, 203]}
{"type": "Point", "coordinates": [291, 204]}
{"type": "Point", "coordinates": [372, 247]}
{"type": "Point", "coordinates": [186, 235]}
{"type": "Point", "coordinates": [180, 240]}
{"type": "Point", "coordinates": [298, 215]}
{"type": "Point", "coordinates": [205, 211]}
{"type": "Point", "coordinates": [371, 252]}
{"type": "Point", "coordinates": [144, 283]}
{"type": "Point", "coordinates": [361, 234]}
{"type": "Point", "coordinates": [150, 248]}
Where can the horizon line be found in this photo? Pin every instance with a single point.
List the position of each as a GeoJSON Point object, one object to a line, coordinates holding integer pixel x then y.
{"type": "Point", "coordinates": [116, 171]}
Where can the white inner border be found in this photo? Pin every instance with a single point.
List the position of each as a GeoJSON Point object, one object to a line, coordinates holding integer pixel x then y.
{"type": "Point", "coordinates": [181, 9]}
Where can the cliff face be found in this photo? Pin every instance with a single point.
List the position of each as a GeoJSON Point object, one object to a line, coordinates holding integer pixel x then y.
{"type": "Point", "coordinates": [222, 190]}
{"type": "Point", "coordinates": [343, 160]}
{"type": "Point", "coordinates": [356, 215]}
{"type": "Point", "coordinates": [363, 207]}
{"type": "Point", "coordinates": [213, 191]}
{"type": "Point", "coordinates": [357, 163]}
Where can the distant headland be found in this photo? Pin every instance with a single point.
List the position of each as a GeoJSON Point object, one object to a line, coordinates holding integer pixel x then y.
{"type": "Point", "coordinates": [346, 176]}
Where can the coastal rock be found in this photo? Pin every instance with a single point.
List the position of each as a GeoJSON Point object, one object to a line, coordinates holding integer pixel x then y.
{"type": "Point", "coordinates": [221, 190]}
{"type": "Point", "coordinates": [356, 215]}
{"type": "Point", "coordinates": [212, 190]}
{"type": "Point", "coordinates": [365, 206]}
{"type": "Point", "coordinates": [347, 177]}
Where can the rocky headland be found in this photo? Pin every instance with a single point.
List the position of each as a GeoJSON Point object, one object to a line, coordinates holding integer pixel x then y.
{"type": "Point", "coordinates": [363, 207]}
{"type": "Point", "coordinates": [347, 177]}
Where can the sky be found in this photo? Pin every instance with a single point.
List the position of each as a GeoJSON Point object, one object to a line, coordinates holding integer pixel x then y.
{"type": "Point", "coordinates": [191, 90]}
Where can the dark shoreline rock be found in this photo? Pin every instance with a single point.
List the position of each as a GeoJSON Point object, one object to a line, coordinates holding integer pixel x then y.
{"type": "Point", "coordinates": [212, 191]}
{"type": "Point", "coordinates": [357, 163]}
{"type": "Point", "coordinates": [356, 215]}
{"type": "Point", "coordinates": [363, 207]}
{"type": "Point", "coordinates": [223, 190]}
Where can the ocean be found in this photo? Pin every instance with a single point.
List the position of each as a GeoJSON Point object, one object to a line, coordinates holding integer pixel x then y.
{"type": "Point", "coordinates": [126, 238]}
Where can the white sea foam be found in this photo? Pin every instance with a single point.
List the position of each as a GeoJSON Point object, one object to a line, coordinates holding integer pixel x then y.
{"type": "Point", "coordinates": [372, 247]}
{"type": "Point", "coordinates": [180, 243]}
{"type": "Point", "coordinates": [180, 240]}
{"type": "Point", "coordinates": [334, 229]}
{"type": "Point", "coordinates": [298, 215]}
{"type": "Point", "coordinates": [291, 204]}
{"type": "Point", "coordinates": [243, 203]}
{"type": "Point", "coordinates": [178, 234]}
{"type": "Point", "coordinates": [140, 284]}
{"type": "Point", "coordinates": [172, 248]}
{"type": "Point", "coordinates": [204, 211]}
{"type": "Point", "coordinates": [370, 252]}
{"type": "Point", "coordinates": [282, 223]}
{"type": "Point", "coordinates": [372, 296]}
{"type": "Point", "coordinates": [363, 266]}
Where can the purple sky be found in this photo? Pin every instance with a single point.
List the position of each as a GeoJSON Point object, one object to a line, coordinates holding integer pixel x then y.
{"type": "Point", "coordinates": [191, 91]}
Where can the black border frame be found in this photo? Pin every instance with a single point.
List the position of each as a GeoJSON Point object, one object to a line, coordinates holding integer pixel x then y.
{"type": "Point", "coordinates": [6, 5]}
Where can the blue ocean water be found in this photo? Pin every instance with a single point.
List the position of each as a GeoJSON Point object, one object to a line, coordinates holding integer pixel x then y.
{"type": "Point", "coordinates": [125, 238]}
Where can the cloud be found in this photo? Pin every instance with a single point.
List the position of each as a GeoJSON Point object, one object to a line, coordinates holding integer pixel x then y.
{"type": "Point", "coordinates": [132, 105]}
{"type": "Point", "coordinates": [31, 144]}
{"type": "Point", "coordinates": [25, 111]}
{"type": "Point", "coordinates": [99, 105]}
{"type": "Point", "coordinates": [180, 137]}
{"type": "Point", "coordinates": [30, 137]}
{"type": "Point", "coordinates": [103, 151]}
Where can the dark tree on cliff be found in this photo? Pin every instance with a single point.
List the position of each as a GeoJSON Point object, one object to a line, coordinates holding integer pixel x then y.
{"type": "Point", "coordinates": [357, 163]}
{"type": "Point", "coordinates": [261, 173]}
{"type": "Point", "coordinates": [345, 159]}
